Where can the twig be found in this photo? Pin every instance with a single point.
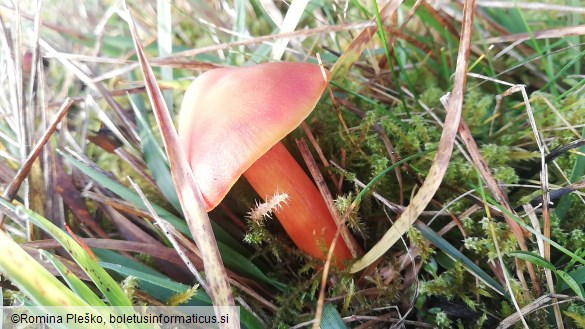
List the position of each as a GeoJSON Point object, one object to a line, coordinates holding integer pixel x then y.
{"type": "Point", "coordinates": [543, 301]}
{"type": "Point", "coordinates": [322, 186]}
{"type": "Point", "coordinates": [23, 172]}
{"type": "Point", "coordinates": [496, 192]}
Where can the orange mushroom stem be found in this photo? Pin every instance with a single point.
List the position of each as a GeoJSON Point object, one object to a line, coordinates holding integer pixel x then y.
{"type": "Point", "coordinates": [305, 217]}
{"type": "Point", "coordinates": [231, 123]}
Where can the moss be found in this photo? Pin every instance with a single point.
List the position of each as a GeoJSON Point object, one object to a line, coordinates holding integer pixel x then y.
{"type": "Point", "coordinates": [505, 175]}
{"type": "Point", "coordinates": [454, 283]}
{"type": "Point", "coordinates": [577, 314]}
{"type": "Point", "coordinates": [183, 297]}
{"type": "Point", "coordinates": [129, 286]}
{"type": "Point", "coordinates": [343, 205]}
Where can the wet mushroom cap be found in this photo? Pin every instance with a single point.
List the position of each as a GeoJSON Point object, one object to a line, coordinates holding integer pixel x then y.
{"type": "Point", "coordinates": [230, 117]}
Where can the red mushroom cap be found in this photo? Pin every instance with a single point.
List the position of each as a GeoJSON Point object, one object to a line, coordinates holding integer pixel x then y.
{"type": "Point", "coordinates": [230, 117]}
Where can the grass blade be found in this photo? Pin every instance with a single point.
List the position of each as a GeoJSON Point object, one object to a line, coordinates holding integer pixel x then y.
{"type": "Point", "coordinates": [98, 275]}
{"type": "Point", "coordinates": [447, 248]}
{"type": "Point", "coordinates": [154, 156]}
{"type": "Point", "coordinates": [331, 318]}
{"type": "Point", "coordinates": [33, 279]}
{"type": "Point", "coordinates": [439, 167]}
{"type": "Point", "coordinates": [156, 279]}
{"type": "Point", "coordinates": [78, 287]}
{"type": "Point", "coordinates": [189, 194]}
{"type": "Point", "coordinates": [228, 247]}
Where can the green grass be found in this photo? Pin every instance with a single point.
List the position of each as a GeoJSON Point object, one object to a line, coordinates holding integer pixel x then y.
{"type": "Point", "coordinates": [378, 130]}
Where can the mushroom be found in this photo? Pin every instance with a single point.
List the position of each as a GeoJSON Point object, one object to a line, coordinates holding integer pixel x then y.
{"type": "Point", "coordinates": [231, 123]}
